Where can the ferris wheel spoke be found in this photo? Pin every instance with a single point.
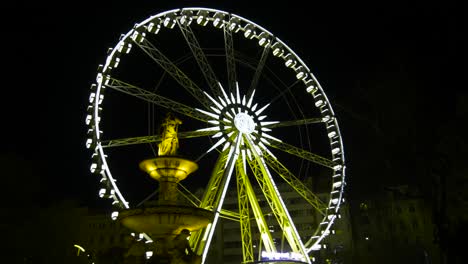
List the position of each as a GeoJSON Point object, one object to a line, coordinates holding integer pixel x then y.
{"type": "Point", "coordinates": [244, 213]}
{"type": "Point", "coordinates": [174, 71]}
{"type": "Point", "coordinates": [230, 59]}
{"type": "Point", "coordinates": [259, 69]}
{"type": "Point", "coordinates": [295, 183]}
{"type": "Point", "coordinates": [298, 122]}
{"type": "Point", "coordinates": [246, 196]}
{"type": "Point", "coordinates": [303, 154]}
{"type": "Point", "coordinates": [200, 57]}
{"type": "Point", "coordinates": [206, 234]}
{"type": "Point", "coordinates": [212, 189]}
{"type": "Point", "coordinates": [156, 99]}
{"type": "Point", "coordinates": [273, 197]}
{"type": "Point", "coordinates": [155, 138]}
{"type": "Point", "coordinates": [193, 199]}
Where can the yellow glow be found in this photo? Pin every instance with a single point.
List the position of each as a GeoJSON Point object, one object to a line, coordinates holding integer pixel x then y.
{"type": "Point", "coordinates": [80, 248]}
{"type": "Point", "coordinates": [206, 232]}
{"type": "Point", "coordinates": [163, 166]}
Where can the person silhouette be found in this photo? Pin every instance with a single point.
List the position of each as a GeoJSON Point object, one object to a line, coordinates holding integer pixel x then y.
{"type": "Point", "coordinates": [182, 252]}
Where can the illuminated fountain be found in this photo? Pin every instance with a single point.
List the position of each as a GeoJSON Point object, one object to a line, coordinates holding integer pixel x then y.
{"type": "Point", "coordinates": [167, 219]}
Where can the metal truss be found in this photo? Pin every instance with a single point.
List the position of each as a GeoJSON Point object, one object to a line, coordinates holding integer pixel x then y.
{"type": "Point", "coordinates": [210, 192]}
{"type": "Point", "coordinates": [150, 139]}
{"type": "Point", "coordinates": [203, 245]}
{"type": "Point", "coordinates": [259, 69]}
{"type": "Point", "coordinates": [193, 199]}
{"type": "Point", "coordinates": [200, 57]}
{"type": "Point", "coordinates": [230, 59]}
{"type": "Point", "coordinates": [296, 122]}
{"type": "Point", "coordinates": [275, 201]}
{"type": "Point", "coordinates": [156, 99]}
{"type": "Point", "coordinates": [295, 183]}
{"type": "Point", "coordinates": [262, 225]}
{"type": "Point", "coordinates": [244, 213]}
{"type": "Point", "coordinates": [302, 153]}
{"type": "Point", "coordinates": [174, 71]}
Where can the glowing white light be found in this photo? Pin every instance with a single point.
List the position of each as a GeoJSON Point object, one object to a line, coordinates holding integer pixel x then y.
{"type": "Point", "coordinates": [222, 101]}
{"type": "Point", "coordinates": [238, 93]}
{"type": "Point", "coordinates": [217, 135]}
{"type": "Point", "coordinates": [186, 20]}
{"type": "Point", "coordinates": [89, 143]}
{"type": "Point", "coordinates": [149, 254]}
{"type": "Point", "coordinates": [337, 184]}
{"type": "Point", "coordinates": [207, 113]}
{"type": "Point", "coordinates": [290, 61]}
{"type": "Point", "coordinates": [269, 123]}
{"type": "Point", "coordinates": [250, 100]}
{"type": "Point", "coordinates": [233, 100]}
{"type": "Point", "coordinates": [244, 123]}
{"type": "Point", "coordinates": [214, 101]}
{"type": "Point", "coordinates": [277, 49]}
{"type": "Point", "coordinates": [331, 134]}
{"type": "Point", "coordinates": [221, 141]}
{"type": "Point", "coordinates": [79, 247]}
{"type": "Point", "coordinates": [169, 22]}
{"type": "Point", "coordinates": [153, 28]}
{"type": "Point", "coordinates": [249, 32]}
{"type": "Point", "coordinates": [311, 88]}
{"type": "Point", "coordinates": [301, 75]}
{"type": "Point", "coordinates": [226, 145]}
{"type": "Point", "coordinates": [202, 20]}
{"type": "Point", "coordinates": [265, 141]}
{"type": "Point", "coordinates": [281, 255]}
{"type": "Point", "coordinates": [215, 109]}
{"type": "Point", "coordinates": [261, 110]}
{"type": "Point", "coordinates": [316, 247]}
{"type": "Point", "coordinates": [91, 97]}
{"type": "Point", "coordinates": [271, 137]}
{"type": "Point", "coordinates": [218, 20]}
{"type": "Point", "coordinates": [337, 167]}
{"type": "Point", "coordinates": [224, 93]}
{"type": "Point", "coordinates": [114, 215]}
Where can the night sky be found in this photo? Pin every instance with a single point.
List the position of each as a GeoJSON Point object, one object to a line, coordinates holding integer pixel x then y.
{"type": "Point", "coordinates": [388, 70]}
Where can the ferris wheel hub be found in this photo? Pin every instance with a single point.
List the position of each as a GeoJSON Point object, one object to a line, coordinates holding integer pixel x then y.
{"type": "Point", "coordinates": [244, 123]}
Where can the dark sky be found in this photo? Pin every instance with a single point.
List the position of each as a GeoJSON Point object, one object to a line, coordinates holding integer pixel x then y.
{"type": "Point", "coordinates": [387, 69]}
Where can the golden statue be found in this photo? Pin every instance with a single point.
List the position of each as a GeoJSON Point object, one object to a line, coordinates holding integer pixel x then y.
{"type": "Point", "coordinates": [169, 141]}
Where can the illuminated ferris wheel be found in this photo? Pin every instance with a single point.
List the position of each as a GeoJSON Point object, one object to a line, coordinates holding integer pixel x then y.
{"type": "Point", "coordinates": [252, 113]}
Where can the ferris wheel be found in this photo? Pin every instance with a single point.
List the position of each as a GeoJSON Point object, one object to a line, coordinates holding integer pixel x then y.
{"type": "Point", "coordinates": [254, 117]}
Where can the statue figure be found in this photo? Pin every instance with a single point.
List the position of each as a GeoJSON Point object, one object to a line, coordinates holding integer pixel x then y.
{"type": "Point", "coordinates": [169, 141]}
